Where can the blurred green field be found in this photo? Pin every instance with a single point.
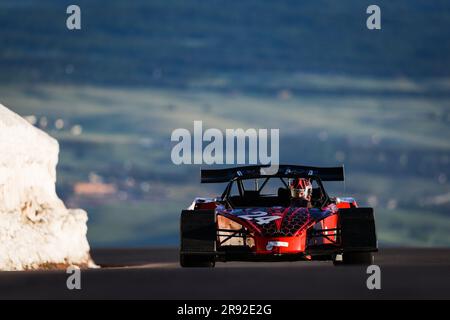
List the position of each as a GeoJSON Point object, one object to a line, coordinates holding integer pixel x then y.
{"type": "Point", "coordinates": [181, 43]}
{"type": "Point", "coordinates": [395, 149]}
{"type": "Point", "coordinates": [113, 92]}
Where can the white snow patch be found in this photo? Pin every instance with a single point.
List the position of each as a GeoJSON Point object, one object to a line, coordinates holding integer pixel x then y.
{"type": "Point", "coordinates": [36, 229]}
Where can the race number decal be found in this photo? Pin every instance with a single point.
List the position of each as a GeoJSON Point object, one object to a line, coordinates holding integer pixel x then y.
{"type": "Point", "coordinates": [260, 217]}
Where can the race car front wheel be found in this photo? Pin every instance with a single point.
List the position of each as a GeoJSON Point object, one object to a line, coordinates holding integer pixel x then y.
{"type": "Point", "coordinates": [354, 258]}
{"type": "Point", "coordinates": [198, 238]}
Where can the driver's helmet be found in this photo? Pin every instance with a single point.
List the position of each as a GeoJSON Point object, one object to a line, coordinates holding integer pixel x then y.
{"type": "Point", "coordinates": [301, 188]}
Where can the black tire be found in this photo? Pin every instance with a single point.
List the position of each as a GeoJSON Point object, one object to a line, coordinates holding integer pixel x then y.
{"type": "Point", "coordinates": [197, 239]}
{"type": "Point", "coordinates": [357, 231]}
{"type": "Point", "coordinates": [196, 261]}
{"type": "Point", "coordinates": [355, 259]}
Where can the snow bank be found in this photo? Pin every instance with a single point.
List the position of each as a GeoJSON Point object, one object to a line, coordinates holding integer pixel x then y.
{"type": "Point", "coordinates": [36, 229]}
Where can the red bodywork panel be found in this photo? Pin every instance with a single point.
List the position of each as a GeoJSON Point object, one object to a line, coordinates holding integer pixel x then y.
{"type": "Point", "coordinates": [283, 230]}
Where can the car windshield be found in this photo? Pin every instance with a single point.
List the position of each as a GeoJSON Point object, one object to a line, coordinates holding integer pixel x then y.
{"type": "Point", "coordinates": [267, 192]}
{"type": "Point", "coordinates": [265, 186]}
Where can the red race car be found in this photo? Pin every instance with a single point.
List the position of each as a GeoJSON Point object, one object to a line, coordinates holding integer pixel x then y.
{"type": "Point", "coordinates": [286, 216]}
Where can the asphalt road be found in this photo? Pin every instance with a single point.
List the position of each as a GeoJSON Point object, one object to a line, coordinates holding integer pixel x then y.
{"type": "Point", "coordinates": [155, 274]}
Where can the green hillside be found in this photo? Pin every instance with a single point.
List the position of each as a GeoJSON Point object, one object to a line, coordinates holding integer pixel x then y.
{"type": "Point", "coordinates": [111, 93]}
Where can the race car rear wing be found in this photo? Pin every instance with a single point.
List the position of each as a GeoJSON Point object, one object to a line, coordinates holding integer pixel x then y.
{"type": "Point", "coordinates": [284, 171]}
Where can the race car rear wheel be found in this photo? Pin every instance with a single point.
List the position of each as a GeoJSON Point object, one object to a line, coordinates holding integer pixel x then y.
{"type": "Point", "coordinates": [355, 258]}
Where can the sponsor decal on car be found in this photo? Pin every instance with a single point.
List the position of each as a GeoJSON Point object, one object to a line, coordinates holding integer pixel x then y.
{"type": "Point", "coordinates": [271, 244]}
